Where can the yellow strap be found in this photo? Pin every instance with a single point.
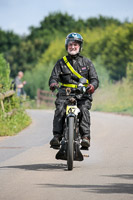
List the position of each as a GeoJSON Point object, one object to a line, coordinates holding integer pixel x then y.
{"type": "Point", "coordinates": [72, 70]}
{"type": "Point", "coordinates": [72, 85]}
{"type": "Point", "coordinates": [69, 85]}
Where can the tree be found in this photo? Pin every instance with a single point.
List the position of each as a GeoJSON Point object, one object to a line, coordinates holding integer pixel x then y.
{"type": "Point", "coordinates": [129, 72]}
{"type": "Point", "coordinates": [4, 74]}
{"type": "Point", "coordinates": [118, 51]}
{"type": "Point", "coordinates": [22, 57]}
{"type": "Point", "coordinates": [101, 21]}
{"type": "Point", "coordinates": [114, 45]}
{"type": "Point", "coordinates": [7, 40]}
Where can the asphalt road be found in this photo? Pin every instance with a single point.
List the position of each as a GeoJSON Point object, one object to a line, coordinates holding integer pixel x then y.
{"type": "Point", "coordinates": [29, 170]}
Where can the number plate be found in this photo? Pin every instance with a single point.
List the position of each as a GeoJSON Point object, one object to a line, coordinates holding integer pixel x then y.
{"type": "Point", "coordinates": [70, 109]}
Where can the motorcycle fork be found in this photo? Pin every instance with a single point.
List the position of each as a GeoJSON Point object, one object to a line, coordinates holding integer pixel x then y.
{"type": "Point", "coordinates": [76, 130]}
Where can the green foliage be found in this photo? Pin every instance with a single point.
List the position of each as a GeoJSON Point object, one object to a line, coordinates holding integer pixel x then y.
{"type": "Point", "coordinates": [55, 51]}
{"type": "Point", "coordinates": [13, 118]}
{"type": "Point", "coordinates": [7, 40]}
{"type": "Point", "coordinates": [22, 57]}
{"type": "Point", "coordinates": [37, 78]}
{"type": "Point", "coordinates": [4, 74]}
{"type": "Point", "coordinates": [101, 22]}
{"type": "Point", "coordinates": [102, 72]}
{"type": "Point", "coordinates": [11, 125]}
{"type": "Point", "coordinates": [130, 72]}
{"type": "Point", "coordinates": [117, 53]}
{"type": "Point", "coordinates": [117, 98]}
{"type": "Point", "coordinates": [115, 46]}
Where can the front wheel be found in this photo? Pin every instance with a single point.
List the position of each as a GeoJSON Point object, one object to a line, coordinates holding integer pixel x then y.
{"type": "Point", "coordinates": [70, 146]}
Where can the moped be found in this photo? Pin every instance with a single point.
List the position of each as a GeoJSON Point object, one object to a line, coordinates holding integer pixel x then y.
{"type": "Point", "coordinates": [70, 144]}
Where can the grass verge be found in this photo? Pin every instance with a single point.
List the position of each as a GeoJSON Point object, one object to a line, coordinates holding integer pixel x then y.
{"type": "Point", "coordinates": [10, 125]}
{"type": "Point", "coordinates": [117, 98]}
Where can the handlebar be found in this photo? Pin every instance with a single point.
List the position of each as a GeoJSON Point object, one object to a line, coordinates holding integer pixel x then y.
{"type": "Point", "coordinates": [80, 90]}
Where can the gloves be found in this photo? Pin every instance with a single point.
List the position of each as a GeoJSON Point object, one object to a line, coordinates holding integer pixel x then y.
{"type": "Point", "coordinates": [53, 86]}
{"type": "Point", "coordinates": [90, 89]}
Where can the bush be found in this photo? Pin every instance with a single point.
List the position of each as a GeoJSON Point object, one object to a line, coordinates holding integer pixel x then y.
{"type": "Point", "coordinates": [129, 71]}
{"type": "Point", "coordinates": [102, 72]}
{"type": "Point", "coordinates": [4, 74]}
{"type": "Point", "coordinates": [37, 78]}
{"type": "Point", "coordinates": [13, 118]}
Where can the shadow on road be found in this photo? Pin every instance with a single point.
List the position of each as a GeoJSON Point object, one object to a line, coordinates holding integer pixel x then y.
{"type": "Point", "coordinates": [124, 176]}
{"type": "Point", "coordinates": [121, 188]}
{"type": "Point", "coordinates": [116, 188]}
{"type": "Point", "coordinates": [38, 167]}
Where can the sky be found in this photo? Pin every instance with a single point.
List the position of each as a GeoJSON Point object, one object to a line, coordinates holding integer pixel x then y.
{"type": "Point", "coordinates": [19, 15]}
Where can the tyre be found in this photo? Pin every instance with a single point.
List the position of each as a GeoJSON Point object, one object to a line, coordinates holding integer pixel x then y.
{"type": "Point", "coordinates": [70, 146]}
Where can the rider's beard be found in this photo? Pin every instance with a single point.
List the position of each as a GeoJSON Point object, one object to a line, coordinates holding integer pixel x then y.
{"type": "Point", "coordinates": [73, 52]}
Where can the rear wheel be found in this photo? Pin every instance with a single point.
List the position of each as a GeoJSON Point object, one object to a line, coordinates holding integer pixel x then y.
{"type": "Point", "coordinates": [70, 146]}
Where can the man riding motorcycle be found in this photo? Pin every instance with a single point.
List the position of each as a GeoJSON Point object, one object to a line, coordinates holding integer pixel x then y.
{"type": "Point", "coordinates": [67, 71]}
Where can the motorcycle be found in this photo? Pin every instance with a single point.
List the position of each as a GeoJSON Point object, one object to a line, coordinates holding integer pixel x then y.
{"type": "Point", "coordinates": [70, 144]}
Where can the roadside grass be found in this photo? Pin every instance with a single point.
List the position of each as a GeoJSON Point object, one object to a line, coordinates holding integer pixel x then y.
{"type": "Point", "coordinates": [117, 98]}
{"type": "Point", "coordinates": [14, 119]}
{"type": "Point", "coordinates": [10, 125]}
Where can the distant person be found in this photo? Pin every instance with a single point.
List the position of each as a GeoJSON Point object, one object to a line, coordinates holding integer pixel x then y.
{"type": "Point", "coordinates": [18, 84]}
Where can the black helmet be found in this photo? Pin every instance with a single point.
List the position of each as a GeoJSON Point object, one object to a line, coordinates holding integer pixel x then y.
{"type": "Point", "coordinates": [76, 37]}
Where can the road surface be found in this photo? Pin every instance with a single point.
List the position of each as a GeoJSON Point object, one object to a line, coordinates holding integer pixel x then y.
{"type": "Point", "coordinates": [29, 170]}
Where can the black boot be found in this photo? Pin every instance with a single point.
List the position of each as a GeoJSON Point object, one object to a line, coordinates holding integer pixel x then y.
{"type": "Point", "coordinates": [55, 142]}
{"type": "Point", "coordinates": [85, 143]}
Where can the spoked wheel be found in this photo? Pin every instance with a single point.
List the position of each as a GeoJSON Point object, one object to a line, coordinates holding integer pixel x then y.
{"type": "Point", "coordinates": [70, 146]}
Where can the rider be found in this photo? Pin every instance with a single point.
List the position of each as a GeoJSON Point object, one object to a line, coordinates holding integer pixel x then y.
{"type": "Point", "coordinates": [63, 74]}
